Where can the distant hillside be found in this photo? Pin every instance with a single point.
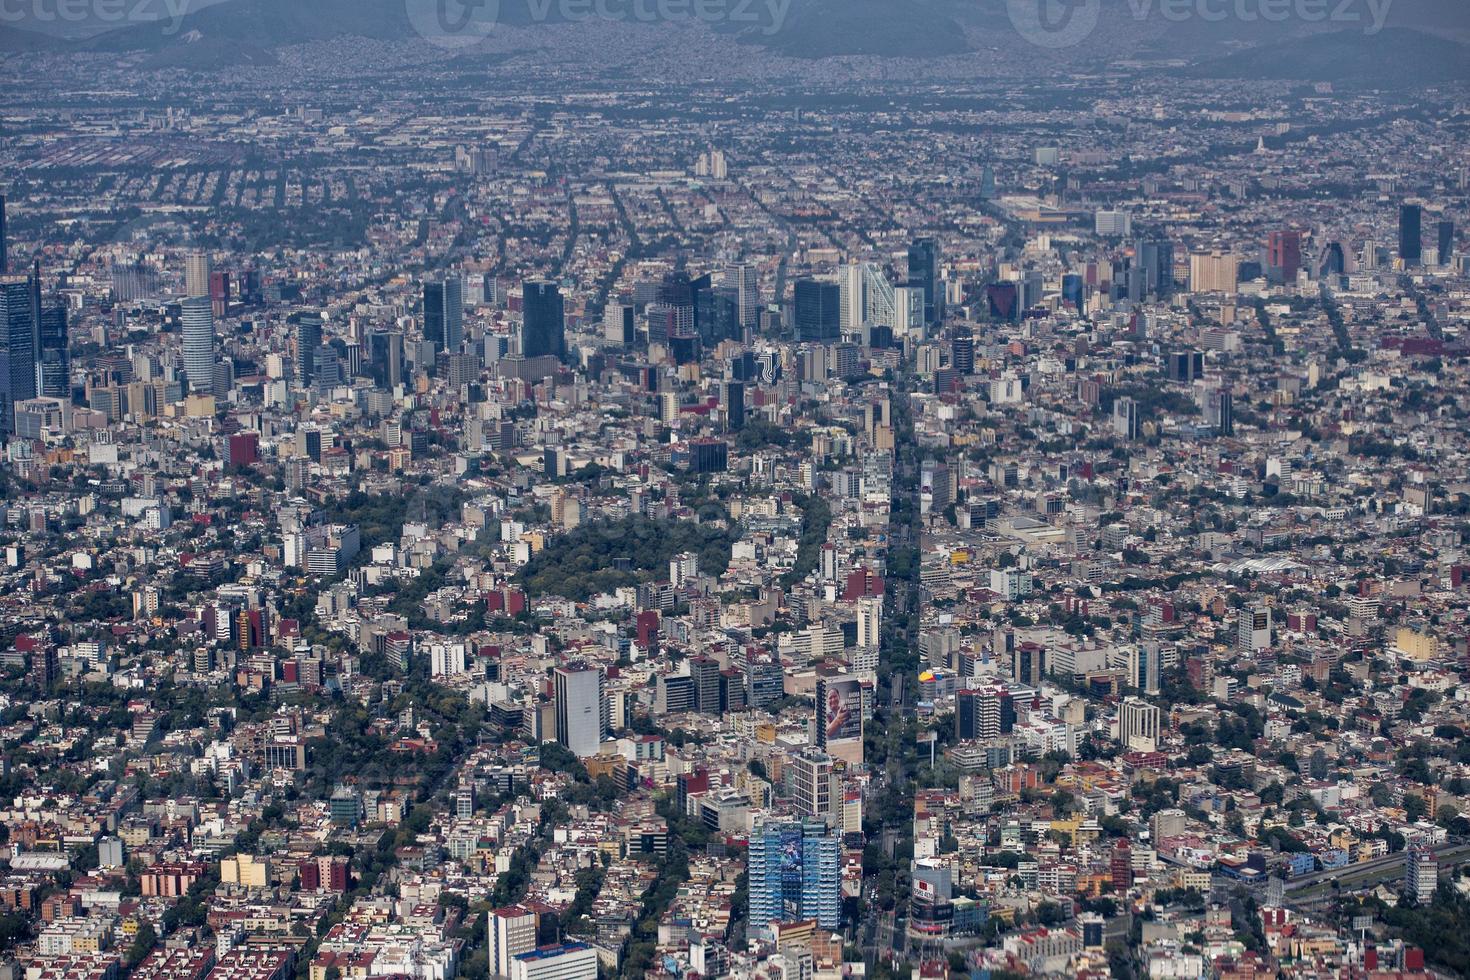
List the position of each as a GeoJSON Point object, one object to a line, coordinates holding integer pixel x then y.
{"type": "Point", "coordinates": [246, 31]}
{"type": "Point", "coordinates": [1421, 47]}
{"type": "Point", "coordinates": [881, 28]}
{"type": "Point", "coordinates": [18, 41]}
{"type": "Point", "coordinates": [1395, 58]}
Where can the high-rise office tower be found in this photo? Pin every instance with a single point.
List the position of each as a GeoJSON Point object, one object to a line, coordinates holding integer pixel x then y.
{"type": "Point", "coordinates": [543, 325]}
{"type": "Point", "coordinates": [733, 402]}
{"type": "Point", "coordinates": [742, 279]}
{"type": "Point", "coordinates": [1446, 242]}
{"type": "Point", "coordinates": [987, 183]}
{"type": "Point", "coordinates": [1253, 629]}
{"type": "Point", "coordinates": [794, 872]}
{"type": "Point", "coordinates": [984, 712]}
{"type": "Point", "coordinates": [1334, 263]}
{"type": "Point", "coordinates": [1411, 248]}
{"type": "Point", "coordinates": [444, 313]}
{"type": "Point", "coordinates": [716, 312]}
{"type": "Point", "coordinates": [618, 321]}
{"type": "Point", "coordinates": [581, 719]}
{"type": "Point", "coordinates": [308, 344]}
{"type": "Point", "coordinates": [198, 318]}
{"type": "Point", "coordinates": [1073, 290]}
{"type": "Point", "coordinates": [924, 273]}
{"type": "Point", "coordinates": [1214, 272]}
{"type": "Point", "coordinates": [17, 348]}
{"type": "Point", "coordinates": [867, 297]}
{"type": "Point", "coordinates": [962, 351]}
{"type": "Point", "coordinates": [511, 932]}
{"type": "Point", "coordinates": [4, 242]}
{"type": "Point", "coordinates": [1225, 413]}
{"type": "Point", "coordinates": [818, 310]}
{"type": "Point", "coordinates": [811, 783]}
{"type": "Point", "coordinates": [385, 356]}
{"type": "Point", "coordinates": [53, 377]}
{"type": "Point", "coordinates": [1125, 418]}
{"type": "Point", "coordinates": [1284, 255]}
{"type": "Point", "coordinates": [196, 274]}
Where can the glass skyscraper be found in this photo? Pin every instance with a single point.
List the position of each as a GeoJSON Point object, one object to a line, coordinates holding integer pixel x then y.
{"type": "Point", "coordinates": [444, 314]}
{"type": "Point", "coordinates": [54, 376]}
{"type": "Point", "coordinates": [543, 326]}
{"type": "Point", "coordinates": [1411, 234]}
{"type": "Point", "coordinates": [818, 310]}
{"type": "Point", "coordinates": [794, 872]}
{"type": "Point", "coordinates": [924, 273]}
{"type": "Point", "coordinates": [17, 349]}
{"type": "Point", "coordinates": [198, 317]}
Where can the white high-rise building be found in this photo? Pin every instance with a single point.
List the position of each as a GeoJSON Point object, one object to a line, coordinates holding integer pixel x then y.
{"type": "Point", "coordinates": [581, 720]}
{"type": "Point", "coordinates": [197, 268]}
{"type": "Point", "coordinates": [908, 311]}
{"type": "Point", "coordinates": [867, 297]}
{"type": "Point", "coordinates": [198, 320]}
{"type": "Point", "coordinates": [1113, 223]}
{"type": "Point", "coordinates": [511, 931]}
{"type": "Point", "coordinates": [1253, 629]}
{"type": "Point", "coordinates": [869, 621]}
{"type": "Point", "coordinates": [1138, 725]}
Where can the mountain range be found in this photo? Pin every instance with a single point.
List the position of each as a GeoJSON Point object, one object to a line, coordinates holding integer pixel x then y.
{"type": "Point", "coordinates": [1424, 43]}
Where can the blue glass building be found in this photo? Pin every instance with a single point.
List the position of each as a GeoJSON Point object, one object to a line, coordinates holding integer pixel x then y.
{"type": "Point", "coordinates": [794, 873]}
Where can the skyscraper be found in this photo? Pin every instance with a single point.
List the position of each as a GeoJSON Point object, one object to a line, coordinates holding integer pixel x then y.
{"type": "Point", "coordinates": [1410, 234]}
{"type": "Point", "coordinates": [385, 357]}
{"type": "Point", "coordinates": [818, 310]}
{"type": "Point", "coordinates": [867, 297]}
{"type": "Point", "coordinates": [924, 273]}
{"type": "Point", "coordinates": [17, 348]}
{"type": "Point", "coordinates": [444, 313]}
{"type": "Point", "coordinates": [580, 719]}
{"type": "Point", "coordinates": [984, 712]}
{"type": "Point", "coordinates": [742, 279]}
{"type": "Point", "coordinates": [794, 872]}
{"type": "Point", "coordinates": [1125, 418]}
{"type": "Point", "coordinates": [198, 317]}
{"type": "Point", "coordinates": [543, 326]}
{"type": "Point", "coordinates": [1284, 255]}
{"type": "Point", "coordinates": [1446, 241]}
{"type": "Point", "coordinates": [511, 932]}
{"type": "Point", "coordinates": [4, 242]}
{"type": "Point", "coordinates": [196, 274]}
{"type": "Point", "coordinates": [308, 343]}
{"type": "Point", "coordinates": [53, 377]}
{"type": "Point", "coordinates": [962, 351]}
{"type": "Point", "coordinates": [1333, 261]}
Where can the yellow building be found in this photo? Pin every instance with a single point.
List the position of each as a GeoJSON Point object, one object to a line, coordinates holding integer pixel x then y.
{"type": "Point", "coordinates": [246, 871]}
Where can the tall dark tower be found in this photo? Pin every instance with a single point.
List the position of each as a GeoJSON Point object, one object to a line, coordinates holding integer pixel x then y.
{"type": "Point", "coordinates": [1446, 241]}
{"type": "Point", "coordinates": [54, 378]}
{"type": "Point", "coordinates": [543, 327]}
{"type": "Point", "coordinates": [1410, 232]}
{"type": "Point", "coordinates": [924, 273]}
{"type": "Point", "coordinates": [4, 244]}
{"type": "Point", "coordinates": [17, 348]}
{"type": "Point", "coordinates": [818, 311]}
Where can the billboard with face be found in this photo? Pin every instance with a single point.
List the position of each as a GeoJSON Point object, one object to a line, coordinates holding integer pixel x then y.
{"type": "Point", "coordinates": [842, 711]}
